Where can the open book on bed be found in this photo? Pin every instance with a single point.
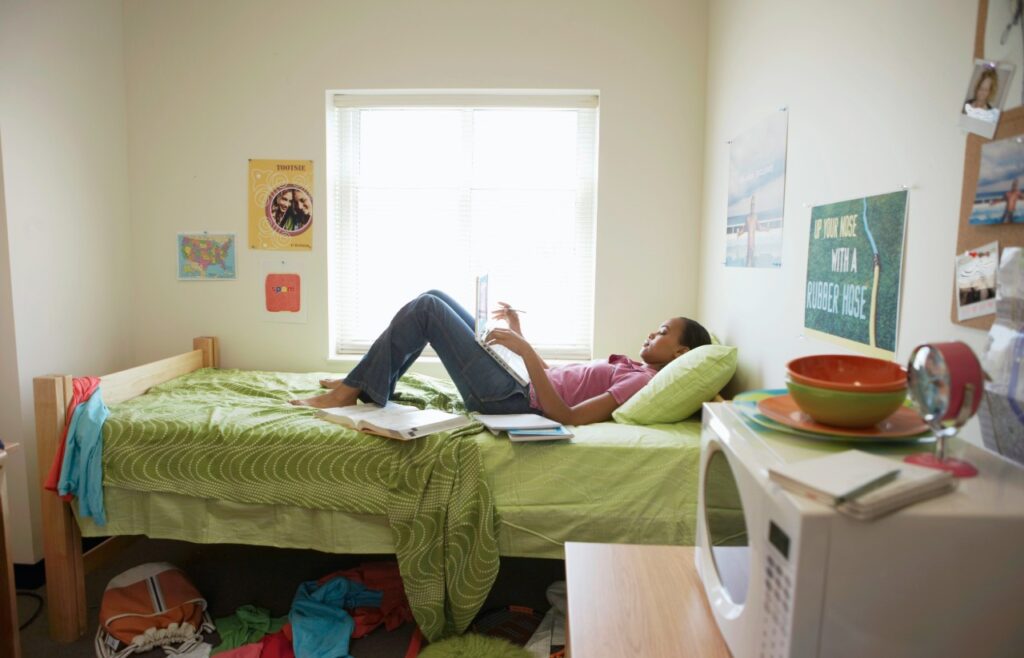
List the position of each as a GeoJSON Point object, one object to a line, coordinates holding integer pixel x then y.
{"type": "Point", "coordinates": [395, 421]}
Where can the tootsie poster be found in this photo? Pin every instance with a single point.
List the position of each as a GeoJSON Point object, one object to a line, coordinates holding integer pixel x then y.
{"type": "Point", "coordinates": [281, 204]}
{"type": "Point", "coordinates": [854, 272]}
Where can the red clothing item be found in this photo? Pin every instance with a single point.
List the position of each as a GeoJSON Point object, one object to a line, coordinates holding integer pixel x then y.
{"type": "Point", "coordinates": [394, 606]}
{"type": "Point", "coordinates": [82, 389]}
{"type": "Point", "coordinates": [279, 644]}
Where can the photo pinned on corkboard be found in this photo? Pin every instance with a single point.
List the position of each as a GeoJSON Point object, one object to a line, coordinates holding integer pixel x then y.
{"type": "Point", "coordinates": [976, 281]}
{"type": "Point", "coordinates": [983, 100]}
{"type": "Point", "coordinates": [281, 204]}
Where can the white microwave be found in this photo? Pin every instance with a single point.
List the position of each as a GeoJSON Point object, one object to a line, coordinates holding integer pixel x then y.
{"type": "Point", "coordinates": [788, 577]}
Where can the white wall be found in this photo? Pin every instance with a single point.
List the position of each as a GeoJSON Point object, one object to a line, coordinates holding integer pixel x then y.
{"type": "Point", "coordinates": [873, 90]}
{"type": "Point", "coordinates": [211, 84]}
{"type": "Point", "coordinates": [66, 230]}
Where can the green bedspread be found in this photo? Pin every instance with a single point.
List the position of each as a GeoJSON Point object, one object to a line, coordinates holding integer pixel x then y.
{"type": "Point", "coordinates": [230, 435]}
{"type": "Point", "coordinates": [219, 456]}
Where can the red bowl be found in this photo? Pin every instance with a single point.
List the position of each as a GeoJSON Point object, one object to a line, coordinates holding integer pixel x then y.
{"type": "Point", "coordinates": [842, 372]}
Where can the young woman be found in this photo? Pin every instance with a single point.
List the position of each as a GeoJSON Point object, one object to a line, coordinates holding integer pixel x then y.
{"type": "Point", "coordinates": [985, 92]}
{"type": "Point", "coordinates": [574, 394]}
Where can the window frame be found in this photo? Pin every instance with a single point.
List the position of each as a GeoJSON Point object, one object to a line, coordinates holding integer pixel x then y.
{"type": "Point", "coordinates": [460, 99]}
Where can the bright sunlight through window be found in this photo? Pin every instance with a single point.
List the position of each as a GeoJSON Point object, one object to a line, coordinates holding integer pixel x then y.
{"type": "Point", "coordinates": [432, 189]}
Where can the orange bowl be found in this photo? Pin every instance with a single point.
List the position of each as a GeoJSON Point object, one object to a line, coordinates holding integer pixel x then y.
{"type": "Point", "coordinates": [842, 372]}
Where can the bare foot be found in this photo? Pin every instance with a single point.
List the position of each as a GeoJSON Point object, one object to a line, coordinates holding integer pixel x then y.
{"type": "Point", "coordinates": [329, 399]}
{"type": "Point", "coordinates": [342, 396]}
{"type": "Point", "coordinates": [330, 383]}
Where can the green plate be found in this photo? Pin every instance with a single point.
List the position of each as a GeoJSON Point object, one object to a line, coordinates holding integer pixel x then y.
{"type": "Point", "coordinates": [746, 403]}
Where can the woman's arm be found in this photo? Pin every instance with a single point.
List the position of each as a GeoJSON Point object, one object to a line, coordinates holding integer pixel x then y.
{"type": "Point", "coordinates": [595, 410]}
{"type": "Point", "coordinates": [511, 316]}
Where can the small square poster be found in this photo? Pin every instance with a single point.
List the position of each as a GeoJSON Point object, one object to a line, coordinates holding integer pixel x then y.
{"type": "Point", "coordinates": [282, 298]}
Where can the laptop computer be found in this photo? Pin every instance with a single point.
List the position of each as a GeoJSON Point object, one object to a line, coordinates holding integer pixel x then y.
{"type": "Point", "coordinates": [505, 357]}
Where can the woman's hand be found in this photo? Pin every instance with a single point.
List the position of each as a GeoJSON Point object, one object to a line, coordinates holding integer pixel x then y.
{"type": "Point", "coordinates": [509, 315]}
{"type": "Point", "coordinates": [510, 339]}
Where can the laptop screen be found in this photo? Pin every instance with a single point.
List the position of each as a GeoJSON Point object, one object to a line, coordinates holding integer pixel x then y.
{"type": "Point", "coordinates": [481, 306]}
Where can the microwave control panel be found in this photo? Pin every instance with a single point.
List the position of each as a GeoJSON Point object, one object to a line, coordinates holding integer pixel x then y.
{"type": "Point", "coordinates": [778, 595]}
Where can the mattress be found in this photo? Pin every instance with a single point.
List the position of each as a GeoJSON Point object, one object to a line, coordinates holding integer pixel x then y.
{"type": "Point", "coordinates": [544, 494]}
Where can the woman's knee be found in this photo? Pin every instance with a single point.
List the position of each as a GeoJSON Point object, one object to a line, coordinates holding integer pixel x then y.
{"type": "Point", "coordinates": [427, 302]}
{"type": "Point", "coordinates": [427, 298]}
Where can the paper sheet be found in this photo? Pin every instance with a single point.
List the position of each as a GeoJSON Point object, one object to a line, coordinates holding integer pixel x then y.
{"type": "Point", "coordinates": [1002, 411]}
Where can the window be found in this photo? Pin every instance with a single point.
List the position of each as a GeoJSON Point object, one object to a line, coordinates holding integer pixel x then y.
{"type": "Point", "coordinates": [431, 189]}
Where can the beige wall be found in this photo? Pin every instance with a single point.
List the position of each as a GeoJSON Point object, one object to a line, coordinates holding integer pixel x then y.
{"type": "Point", "coordinates": [213, 84]}
{"type": "Point", "coordinates": [873, 90]}
{"type": "Point", "coordinates": [66, 230]}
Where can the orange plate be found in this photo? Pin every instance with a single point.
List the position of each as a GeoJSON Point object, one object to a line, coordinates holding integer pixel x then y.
{"type": "Point", "coordinates": [782, 409]}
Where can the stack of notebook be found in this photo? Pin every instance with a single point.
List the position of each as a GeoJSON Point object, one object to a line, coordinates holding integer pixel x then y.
{"type": "Point", "coordinates": [860, 484]}
{"type": "Point", "coordinates": [524, 427]}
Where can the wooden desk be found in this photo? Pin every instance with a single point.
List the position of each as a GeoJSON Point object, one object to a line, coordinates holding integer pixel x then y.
{"type": "Point", "coordinates": [10, 643]}
{"type": "Point", "coordinates": [627, 600]}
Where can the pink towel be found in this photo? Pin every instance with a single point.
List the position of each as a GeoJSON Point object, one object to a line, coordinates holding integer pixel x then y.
{"type": "Point", "coordinates": [82, 390]}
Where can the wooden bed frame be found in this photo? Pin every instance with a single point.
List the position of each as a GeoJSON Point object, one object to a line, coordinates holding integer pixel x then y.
{"type": "Point", "coordinates": [65, 562]}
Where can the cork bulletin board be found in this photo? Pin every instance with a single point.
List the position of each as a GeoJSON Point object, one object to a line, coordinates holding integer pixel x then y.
{"type": "Point", "coordinates": [973, 236]}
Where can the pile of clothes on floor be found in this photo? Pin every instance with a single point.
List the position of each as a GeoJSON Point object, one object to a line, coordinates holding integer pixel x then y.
{"type": "Point", "coordinates": [155, 605]}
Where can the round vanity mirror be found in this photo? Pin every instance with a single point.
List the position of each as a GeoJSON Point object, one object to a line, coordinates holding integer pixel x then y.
{"type": "Point", "coordinates": [928, 382]}
{"type": "Point", "coordinates": [727, 527]}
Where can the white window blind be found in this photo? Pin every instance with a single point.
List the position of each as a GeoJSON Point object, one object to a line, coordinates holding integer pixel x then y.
{"type": "Point", "coordinates": [432, 189]}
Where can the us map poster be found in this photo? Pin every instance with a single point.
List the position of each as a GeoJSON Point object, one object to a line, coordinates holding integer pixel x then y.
{"type": "Point", "coordinates": [854, 272]}
{"type": "Point", "coordinates": [281, 204]}
{"type": "Point", "coordinates": [204, 256]}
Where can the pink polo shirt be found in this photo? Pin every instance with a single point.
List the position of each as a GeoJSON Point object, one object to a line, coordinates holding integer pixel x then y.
{"type": "Point", "coordinates": [576, 382]}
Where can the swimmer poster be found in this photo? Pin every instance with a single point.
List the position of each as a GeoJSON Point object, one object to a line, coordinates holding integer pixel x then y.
{"type": "Point", "coordinates": [281, 204]}
{"type": "Point", "coordinates": [757, 185]}
{"type": "Point", "coordinates": [1000, 177]}
{"type": "Point", "coordinates": [854, 273]}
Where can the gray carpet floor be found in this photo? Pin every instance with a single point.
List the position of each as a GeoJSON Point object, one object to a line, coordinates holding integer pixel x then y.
{"type": "Point", "coordinates": [230, 576]}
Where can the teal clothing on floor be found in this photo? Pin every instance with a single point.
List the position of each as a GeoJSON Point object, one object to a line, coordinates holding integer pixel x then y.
{"type": "Point", "coordinates": [249, 624]}
{"type": "Point", "coordinates": [320, 626]}
{"type": "Point", "coordinates": [81, 473]}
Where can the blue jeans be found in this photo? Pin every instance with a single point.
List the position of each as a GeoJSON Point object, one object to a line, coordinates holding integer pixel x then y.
{"type": "Point", "coordinates": [436, 318]}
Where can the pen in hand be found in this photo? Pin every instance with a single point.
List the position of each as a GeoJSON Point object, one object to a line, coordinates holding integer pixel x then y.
{"type": "Point", "coordinates": [505, 308]}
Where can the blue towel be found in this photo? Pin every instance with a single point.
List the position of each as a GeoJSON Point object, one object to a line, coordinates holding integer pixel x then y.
{"type": "Point", "coordinates": [81, 473]}
{"type": "Point", "coordinates": [320, 626]}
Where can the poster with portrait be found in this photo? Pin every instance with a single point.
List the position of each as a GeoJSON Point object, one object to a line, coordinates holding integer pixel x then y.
{"type": "Point", "coordinates": [281, 204]}
{"type": "Point", "coordinates": [757, 185]}
{"type": "Point", "coordinates": [854, 273]}
{"type": "Point", "coordinates": [997, 198]}
{"type": "Point", "coordinates": [206, 256]}
{"type": "Point", "coordinates": [983, 100]}
{"type": "Point", "coordinates": [976, 281]}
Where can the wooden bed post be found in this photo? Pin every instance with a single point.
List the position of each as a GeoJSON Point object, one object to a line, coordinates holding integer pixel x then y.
{"type": "Point", "coordinates": [62, 542]}
{"type": "Point", "coordinates": [210, 349]}
{"type": "Point", "coordinates": [66, 565]}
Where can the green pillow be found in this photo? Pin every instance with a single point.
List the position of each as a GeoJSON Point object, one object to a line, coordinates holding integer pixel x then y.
{"type": "Point", "coordinates": [678, 390]}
